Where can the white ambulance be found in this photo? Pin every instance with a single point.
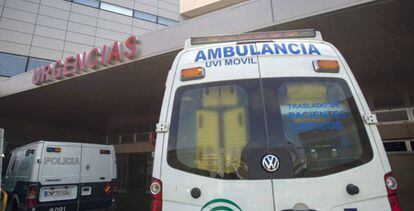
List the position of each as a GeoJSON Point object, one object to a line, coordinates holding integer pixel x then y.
{"type": "Point", "coordinates": [61, 176]}
{"type": "Point", "coordinates": [267, 121]}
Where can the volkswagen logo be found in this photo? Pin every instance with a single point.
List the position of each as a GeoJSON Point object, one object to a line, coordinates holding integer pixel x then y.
{"type": "Point", "coordinates": [270, 163]}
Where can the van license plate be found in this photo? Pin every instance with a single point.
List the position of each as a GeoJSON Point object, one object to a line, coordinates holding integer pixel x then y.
{"type": "Point", "coordinates": [56, 193]}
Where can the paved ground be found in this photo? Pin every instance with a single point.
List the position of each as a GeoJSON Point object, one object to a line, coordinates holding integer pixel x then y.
{"type": "Point", "coordinates": [129, 201]}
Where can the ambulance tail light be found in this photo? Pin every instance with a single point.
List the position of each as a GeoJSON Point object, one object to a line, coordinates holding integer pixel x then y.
{"type": "Point", "coordinates": [326, 66]}
{"type": "Point", "coordinates": [392, 186]}
{"type": "Point", "coordinates": [301, 33]}
{"type": "Point", "coordinates": [156, 193]}
{"type": "Point", "coordinates": [31, 195]}
{"type": "Point", "coordinates": [192, 73]}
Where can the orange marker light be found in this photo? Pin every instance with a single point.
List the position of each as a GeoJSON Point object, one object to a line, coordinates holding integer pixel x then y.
{"type": "Point", "coordinates": [192, 73]}
{"type": "Point", "coordinates": [326, 66]}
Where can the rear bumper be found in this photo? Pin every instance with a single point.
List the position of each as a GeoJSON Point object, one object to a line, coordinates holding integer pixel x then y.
{"type": "Point", "coordinates": [71, 205]}
{"type": "Point", "coordinates": [48, 206]}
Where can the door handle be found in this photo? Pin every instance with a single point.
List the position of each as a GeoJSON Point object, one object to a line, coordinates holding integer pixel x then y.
{"type": "Point", "coordinates": [86, 191]}
{"type": "Point", "coordinates": [195, 193]}
{"type": "Point", "coordinates": [352, 189]}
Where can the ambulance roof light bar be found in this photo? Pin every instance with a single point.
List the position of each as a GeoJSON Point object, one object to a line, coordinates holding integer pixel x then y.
{"type": "Point", "coordinates": [288, 34]}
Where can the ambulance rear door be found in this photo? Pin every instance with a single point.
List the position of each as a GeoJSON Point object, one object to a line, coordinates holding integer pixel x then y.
{"type": "Point", "coordinates": [327, 156]}
{"type": "Point", "coordinates": [213, 149]}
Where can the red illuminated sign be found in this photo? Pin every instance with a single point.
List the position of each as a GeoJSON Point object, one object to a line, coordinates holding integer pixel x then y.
{"type": "Point", "coordinates": [96, 58]}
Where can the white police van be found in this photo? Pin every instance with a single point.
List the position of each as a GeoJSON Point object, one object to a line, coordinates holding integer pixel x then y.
{"type": "Point", "coordinates": [61, 176]}
{"type": "Point", "coordinates": [267, 121]}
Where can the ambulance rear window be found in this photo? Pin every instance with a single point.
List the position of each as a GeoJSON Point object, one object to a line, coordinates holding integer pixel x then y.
{"type": "Point", "coordinates": [223, 130]}
{"type": "Point", "coordinates": [319, 120]}
{"type": "Point", "coordinates": [218, 130]}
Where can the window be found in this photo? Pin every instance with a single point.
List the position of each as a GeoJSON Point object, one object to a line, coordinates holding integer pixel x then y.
{"type": "Point", "coordinates": [128, 12]}
{"type": "Point", "coordinates": [320, 121]}
{"type": "Point", "coordinates": [91, 3]}
{"type": "Point", "coordinates": [395, 146]}
{"type": "Point", "coordinates": [35, 63]}
{"type": "Point", "coordinates": [166, 21]}
{"type": "Point", "coordinates": [116, 9]}
{"type": "Point", "coordinates": [313, 125]}
{"type": "Point", "coordinates": [11, 65]}
{"type": "Point", "coordinates": [217, 130]}
{"type": "Point", "coordinates": [145, 16]}
{"type": "Point", "coordinates": [389, 116]}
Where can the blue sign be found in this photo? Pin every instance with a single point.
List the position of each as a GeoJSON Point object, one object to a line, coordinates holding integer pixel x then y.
{"type": "Point", "coordinates": [250, 50]}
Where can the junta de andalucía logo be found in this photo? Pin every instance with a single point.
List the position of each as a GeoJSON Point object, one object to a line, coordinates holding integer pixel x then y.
{"type": "Point", "coordinates": [221, 205]}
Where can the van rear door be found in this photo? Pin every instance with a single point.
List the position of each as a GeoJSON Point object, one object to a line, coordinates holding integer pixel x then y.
{"type": "Point", "coordinates": [98, 169]}
{"type": "Point", "coordinates": [327, 155]}
{"type": "Point", "coordinates": [59, 171]}
{"type": "Point", "coordinates": [213, 150]}
{"type": "Point", "coordinates": [98, 162]}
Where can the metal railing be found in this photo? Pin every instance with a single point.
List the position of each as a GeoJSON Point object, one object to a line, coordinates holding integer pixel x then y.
{"type": "Point", "coordinates": [129, 138]}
